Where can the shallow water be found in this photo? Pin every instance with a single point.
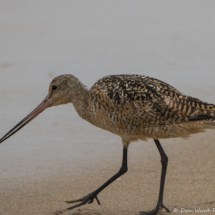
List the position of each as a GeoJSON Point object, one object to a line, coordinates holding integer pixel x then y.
{"type": "Point", "coordinates": [42, 39]}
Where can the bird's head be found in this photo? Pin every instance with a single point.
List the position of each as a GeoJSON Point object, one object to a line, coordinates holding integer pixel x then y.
{"type": "Point", "coordinates": [61, 91]}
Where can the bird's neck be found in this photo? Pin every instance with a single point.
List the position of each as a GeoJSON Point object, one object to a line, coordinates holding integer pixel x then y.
{"type": "Point", "coordinates": [80, 101]}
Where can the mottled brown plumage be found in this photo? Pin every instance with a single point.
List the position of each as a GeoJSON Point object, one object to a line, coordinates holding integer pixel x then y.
{"type": "Point", "coordinates": [138, 107]}
{"type": "Point", "coordinates": [135, 107]}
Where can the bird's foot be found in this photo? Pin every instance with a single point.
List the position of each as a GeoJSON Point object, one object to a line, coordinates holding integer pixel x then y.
{"type": "Point", "coordinates": [158, 208]}
{"type": "Point", "coordinates": [84, 200]}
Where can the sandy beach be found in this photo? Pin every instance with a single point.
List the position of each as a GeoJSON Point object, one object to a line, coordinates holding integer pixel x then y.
{"type": "Point", "coordinates": [59, 156]}
{"type": "Point", "coordinates": [189, 184]}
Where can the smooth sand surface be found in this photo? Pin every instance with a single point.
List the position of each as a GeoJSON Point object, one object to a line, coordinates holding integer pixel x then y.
{"type": "Point", "coordinates": [189, 183]}
{"type": "Point", "coordinates": [58, 156]}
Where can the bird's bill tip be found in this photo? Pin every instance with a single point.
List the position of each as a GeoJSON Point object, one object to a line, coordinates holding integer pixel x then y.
{"type": "Point", "coordinates": [41, 107]}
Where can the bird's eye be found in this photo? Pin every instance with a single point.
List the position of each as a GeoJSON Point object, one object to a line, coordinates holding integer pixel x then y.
{"type": "Point", "coordinates": [54, 87]}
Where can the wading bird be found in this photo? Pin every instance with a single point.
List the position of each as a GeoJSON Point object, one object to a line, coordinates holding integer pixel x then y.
{"type": "Point", "coordinates": [135, 107]}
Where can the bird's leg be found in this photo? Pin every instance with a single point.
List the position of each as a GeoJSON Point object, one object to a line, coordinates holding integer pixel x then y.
{"type": "Point", "coordinates": [164, 162]}
{"type": "Point", "coordinates": [91, 196]}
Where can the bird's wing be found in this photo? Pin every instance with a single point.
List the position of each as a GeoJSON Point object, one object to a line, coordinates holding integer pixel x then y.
{"type": "Point", "coordinates": [148, 101]}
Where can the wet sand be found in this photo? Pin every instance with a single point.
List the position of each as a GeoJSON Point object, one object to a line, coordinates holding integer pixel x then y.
{"type": "Point", "coordinates": [189, 183]}
{"type": "Point", "coordinates": [58, 156]}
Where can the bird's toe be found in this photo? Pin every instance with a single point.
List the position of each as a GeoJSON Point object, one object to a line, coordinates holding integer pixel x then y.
{"type": "Point", "coordinates": [155, 211]}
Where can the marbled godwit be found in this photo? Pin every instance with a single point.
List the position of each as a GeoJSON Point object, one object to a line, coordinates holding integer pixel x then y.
{"type": "Point", "coordinates": [135, 107]}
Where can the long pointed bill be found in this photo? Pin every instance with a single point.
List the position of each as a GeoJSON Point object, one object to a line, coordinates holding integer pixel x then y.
{"type": "Point", "coordinates": [43, 105]}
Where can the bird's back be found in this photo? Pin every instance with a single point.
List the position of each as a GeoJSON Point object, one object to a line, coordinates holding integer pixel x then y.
{"type": "Point", "coordinates": [140, 107]}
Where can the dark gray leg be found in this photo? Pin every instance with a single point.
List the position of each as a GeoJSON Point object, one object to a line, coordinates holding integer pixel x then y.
{"type": "Point", "coordinates": [164, 162]}
{"type": "Point", "coordinates": [91, 196]}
